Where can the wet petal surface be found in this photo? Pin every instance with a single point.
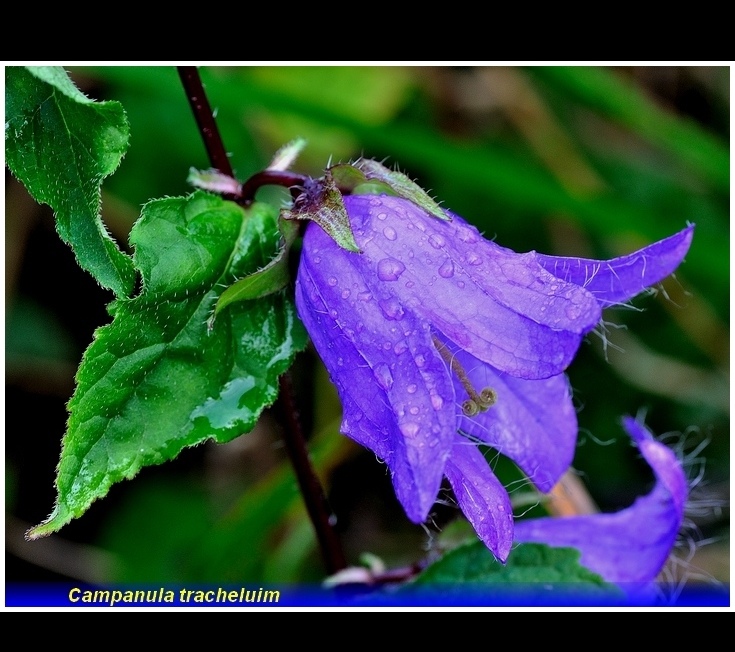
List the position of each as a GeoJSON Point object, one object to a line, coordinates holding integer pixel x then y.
{"type": "Point", "coordinates": [632, 545]}
{"type": "Point", "coordinates": [481, 496]}
{"type": "Point", "coordinates": [620, 279]}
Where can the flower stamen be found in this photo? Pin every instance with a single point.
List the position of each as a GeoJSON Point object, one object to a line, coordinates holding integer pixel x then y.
{"type": "Point", "coordinates": [477, 401]}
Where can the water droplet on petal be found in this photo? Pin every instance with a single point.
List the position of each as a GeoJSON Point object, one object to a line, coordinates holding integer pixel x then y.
{"type": "Point", "coordinates": [437, 402]}
{"type": "Point", "coordinates": [474, 259]}
{"type": "Point", "coordinates": [420, 361]}
{"type": "Point", "coordinates": [384, 376]}
{"type": "Point", "coordinates": [466, 234]}
{"type": "Point", "coordinates": [414, 410]}
{"type": "Point", "coordinates": [332, 281]}
{"type": "Point", "coordinates": [437, 241]}
{"type": "Point", "coordinates": [400, 348]}
{"type": "Point", "coordinates": [392, 308]}
{"type": "Point", "coordinates": [411, 389]}
{"type": "Point", "coordinates": [382, 216]}
{"type": "Point", "coordinates": [365, 296]}
{"type": "Point", "coordinates": [460, 284]}
{"type": "Point", "coordinates": [410, 429]}
{"type": "Point", "coordinates": [345, 294]}
{"type": "Point", "coordinates": [573, 311]}
{"type": "Point", "coordinates": [390, 233]}
{"type": "Point", "coordinates": [390, 269]}
{"type": "Point", "coordinates": [447, 269]}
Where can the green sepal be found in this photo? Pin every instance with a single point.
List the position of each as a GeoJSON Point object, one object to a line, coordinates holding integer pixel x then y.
{"type": "Point", "coordinates": [323, 204]}
{"type": "Point", "coordinates": [401, 185]}
{"type": "Point", "coordinates": [213, 181]}
{"type": "Point", "coordinates": [285, 157]}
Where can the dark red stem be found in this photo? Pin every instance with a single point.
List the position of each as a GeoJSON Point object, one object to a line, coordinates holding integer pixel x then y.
{"type": "Point", "coordinates": [317, 507]}
{"type": "Point", "coordinates": [291, 180]}
{"type": "Point", "coordinates": [192, 83]}
{"type": "Point", "coordinates": [316, 502]}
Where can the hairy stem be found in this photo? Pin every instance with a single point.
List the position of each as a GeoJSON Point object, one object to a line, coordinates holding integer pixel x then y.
{"type": "Point", "coordinates": [192, 83]}
{"type": "Point", "coordinates": [317, 507]}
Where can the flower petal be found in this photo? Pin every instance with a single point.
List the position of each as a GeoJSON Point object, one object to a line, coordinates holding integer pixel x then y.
{"type": "Point", "coordinates": [620, 279]}
{"type": "Point", "coordinates": [396, 391]}
{"type": "Point", "coordinates": [502, 307]}
{"type": "Point", "coordinates": [483, 499]}
{"type": "Point", "coordinates": [533, 422]}
{"type": "Point", "coordinates": [631, 545]}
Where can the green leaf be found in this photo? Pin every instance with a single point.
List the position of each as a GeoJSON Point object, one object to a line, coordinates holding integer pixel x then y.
{"type": "Point", "coordinates": [474, 564]}
{"type": "Point", "coordinates": [157, 380]}
{"type": "Point", "coordinates": [272, 278]}
{"type": "Point", "coordinates": [61, 145]}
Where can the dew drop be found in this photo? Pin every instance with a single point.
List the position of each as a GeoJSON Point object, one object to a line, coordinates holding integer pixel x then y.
{"type": "Point", "coordinates": [390, 233]}
{"type": "Point", "coordinates": [392, 308]}
{"type": "Point", "coordinates": [460, 284]}
{"type": "Point", "coordinates": [437, 402]}
{"type": "Point", "coordinates": [420, 361]}
{"type": "Point", "coordinates": [414, 410]}
{"type": "Point", "coordinates": [573, 312]}
{"type": "Point", "coordinates": [400, 348]}
{"type": "Point", "coordinates": [466, 234]}
{"type": "Point", "coordinates": [345, 294]}
{"type": "Point", "coordinates": [365, 296]}
{"type": "Point", "coordinates": [382, 216]}
{"type": "Point", "coordinates": [384, 376]}
{"type": "Point", "coordinates": [333, 314]}
{"type": "Point", "coordinates": [410, 429]}
{"type": "Point", "coordinates": [474, 259]}
{"type": "Point", "coordinates": [447, 269]}
{"type": "Point", "coordinates": [411, 389]}
{"type": "Point", "coordinates": [390, 269]}
{"type": "Point", "coordinates": [332, 281]}
{"type": "Point", "coordinates": [437, 241]}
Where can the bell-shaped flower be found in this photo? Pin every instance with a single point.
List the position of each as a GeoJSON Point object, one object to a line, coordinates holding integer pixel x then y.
{"type": "Point", "coordinates": [629, 547]}
{"type": "Point", "coordinates": [437, 339]}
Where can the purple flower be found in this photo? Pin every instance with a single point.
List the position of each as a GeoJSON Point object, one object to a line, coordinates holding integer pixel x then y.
{"type": "Point", "coordinates": [629, 547]}
{"type": "Point", "coordinates": [438, 339]}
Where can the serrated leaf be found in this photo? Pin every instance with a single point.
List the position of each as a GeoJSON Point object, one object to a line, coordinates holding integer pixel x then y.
{"type": "Point", "coordinates": [474, 564]}
{"type": "Point", "coordinates": [271, 278]}
{"type": "Point", "coordinates": [401, 185]}
{"type": "Point", "coordinates": [156, 380]}
{"type": "Point", "coordinates": [61, 145]}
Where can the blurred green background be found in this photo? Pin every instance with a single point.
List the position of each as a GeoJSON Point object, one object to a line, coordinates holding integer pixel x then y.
{"type": "Point", "coordinates": [585, 161]}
